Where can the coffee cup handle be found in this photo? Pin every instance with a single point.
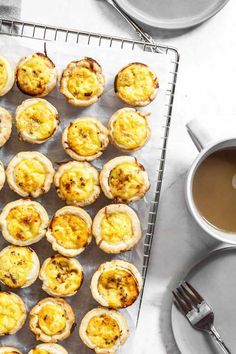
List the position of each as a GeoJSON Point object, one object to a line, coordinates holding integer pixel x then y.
{"type": "Point", "coordinates": [199, 135]}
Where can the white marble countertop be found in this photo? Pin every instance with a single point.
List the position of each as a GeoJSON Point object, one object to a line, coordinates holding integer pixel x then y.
{"type": "Point", "coordinates": [205, 90]}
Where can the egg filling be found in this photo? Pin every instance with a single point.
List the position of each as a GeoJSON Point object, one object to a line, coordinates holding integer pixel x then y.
{"type": "Point", "coordinates": [82, 83]}
{"type": "Point", "coordinates": [76, 184]}
{"type": "Point", "coordinates": [103, 331]}
{"type": "Point", "coordinates": [10, 313]}
{"type": "Point", "coordinates": [30, 175]}
{"type": "Point", "coordinates": [52, 319]}
{"type": "Point", "coordinates": [3, 75]}
{"type": "Point", "coordinates": [34, 75]}
{"type": "Point", "coordinates": [37, 120]}
{"type": "Point", "coordinates": [15, 266]}
{"type": "Point", "coordinates": [130, 129]}
{"type": "Point", "coordinates": [40, 351]}
{"type": "Point", "coordinates": [62, 275]}
{"type": "Point", "coordinates": [125, 180]}
{"type": "Point", "coordinates": [136, 83]}
{"type": "Point", "coordinates": [118, 287]}
{"type": "Point", "coordinates": [23, 222]}
{"type": "Point", "coordinates": [70, 231]}
{"type": "Point", "coordinates": [84, 138]}
{"type": "Point", "coordinates": [116, 227]}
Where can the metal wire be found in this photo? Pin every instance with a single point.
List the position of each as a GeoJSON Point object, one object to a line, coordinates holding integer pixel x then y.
{"type": "Point", "coordinates": [47, 32]}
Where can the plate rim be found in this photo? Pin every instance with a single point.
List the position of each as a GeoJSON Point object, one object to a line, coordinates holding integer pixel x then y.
{"type": "Point", "coordinates": [163, 25]}
{"type": "Point", "coordinates": [196, 264]}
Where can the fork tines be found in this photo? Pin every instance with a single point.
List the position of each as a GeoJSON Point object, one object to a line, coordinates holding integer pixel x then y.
{"type": "Point", "coordinates": [186, 297]}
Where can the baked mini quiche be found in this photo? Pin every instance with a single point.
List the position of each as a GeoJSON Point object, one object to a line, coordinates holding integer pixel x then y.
{"type": "Point", "coordinates": [51, 320]}
{"type": "Point", "coordinates": [7, 76]}
{"type": "Point", "coordinates": [116, 284]}
{"type": "Point", "coordinates": [104, 330]}
{"type": "Point", "coordinates": [48, 348]}
{"type": "Point", "coordinates": [82, 82]}
{"type": "Point", "coordinates": [2, 175]}
{"type": "Point", "coordinates": [70, 231]}
{"type": "Point", "coordinates": [19, 266]}
{"type": "Point", "coordinates": [77, 183]}
{"type": "Point", "coordinates": [9, 350]}
{"type": "Point", "coordinates": [116, 228]}
{"type": "Point", "coordinates": [5, 126]}
{"type": "Point", "coordinates": [30, 174]}
{"type": "Point", "coordinates": [85, 139]}
{"type": "Point", "coordinates": [129, 129]}
{"type": "Point", "coordinates": [61, 276]}
{"type": "Point", "coordinates": [36, 75]}
{"type": "Point", "coordinates": [23, 222]}
{"type": "Point", "coordinates": [124, 179]}
{"type": "Point", "coordinates": [36, 120]}
{"type": "Point", "coordinates": [136, 84]}
{"type": "Point", "coordinates": [13, 313]}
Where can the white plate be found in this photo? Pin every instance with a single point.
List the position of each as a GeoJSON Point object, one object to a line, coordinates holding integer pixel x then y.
{"type": "Point", "coordinates": [215, 279]}
{"type": "Point", "coordinates": [172, 14]}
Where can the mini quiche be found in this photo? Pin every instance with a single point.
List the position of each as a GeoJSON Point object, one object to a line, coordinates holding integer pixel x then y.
{"type": "Point", "coordinates": [77, 183]}
{"type": "Point", "coordinates": [70, 231]}
{"type": "Point", "coordinates": [19, 266]}
{"type": "Point", "coordinates": [61, 276]}
{"type": "Point", "coordinates": [48, 348]}
{"type": "Point", "coordinates": [9, 350]}
{"type": "Point", "coordinates": [116, 284]}
{"type": "Point", "coordinates": [36, 120]}
{"type": "Point", "coordinates": [129, 129]}
{"type": "Point", "coordinates": [136, 84]}
{"type": "Point", "coordinates": [85, 139]}
{"type": "Point", "coordinates": [5, 126]}
{"type": "Point", "coordinates": [124, 179]}
{"type": "Point", "coordinates": [7, 76]}
{"type": "Point", "coordinates": [104, 330]}
{"type": "Point", "coordinates": [51, 320]}
{"type": "Point", "coordinates": [13, 313]}
{"type": "Point", "coordinates": [36, 75]}
{"type": "Point", "coordinates": [23, 222]}
{"type": "Point", "coordinates": [30, 174]}
{"type": "Point", "coordinates": [2, 175]}
{"type": "Point", "coordinates": [82, 82]}
{"type": "Point", "coordinates": [116, 228]}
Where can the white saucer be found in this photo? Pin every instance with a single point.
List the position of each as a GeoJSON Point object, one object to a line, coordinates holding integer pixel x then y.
{"type": "Point", "coordinates": [172, 14]}
{"type": "Point", "coordinates": [215, 279]}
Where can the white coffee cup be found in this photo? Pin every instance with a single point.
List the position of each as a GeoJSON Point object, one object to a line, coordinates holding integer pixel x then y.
{"type": "Point", "coordinates": [206, 145]}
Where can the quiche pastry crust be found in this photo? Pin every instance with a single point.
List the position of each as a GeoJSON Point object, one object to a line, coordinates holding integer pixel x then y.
{"type": "Point", "coordinates": [9, 350]}
{"type": "Point", "coordinates": [51, 320]}
{"type": "Point", "coordinates": [48, 348]}
{"type": "Point", "coordinates": [61, 276]}
{"type": "Point", "coordinates": [136, 84]}
{"type": "Point", "coordinates": [19, 266]}
{"type": "Point", "coordinates": [23, 222]}
{"type": "Point", "coordinates": [77, 183]}
{"type": "Point", "coordinates": [82, 82]}
{"type": "Point", "coordinates": [104, 330]}
{"type": "Point", "coordinates": [116, 228]}
{"type": "Point", "coordinates": [13, 313]}
{"type": "Point", "coordinates": [85, 139]}
{"type": "Point", "coordinates": [36, 120]}
{"type": "Point", "coordinates": [124, 179]}
{"type": "Point", "coordinates": [5, 126]}
{"type": "Point", "coordinates": [7, 76]}
{"type": "Point", "coordinates": [2, 175]}
{"type": "Point", "coordinates": [116, 284]}
{"type": "Point", "coordinates": [23, 180]}
{"type": "Point", "coordinates": [36, 75]}
{"type": "Point", "coordinates": [129, 129]}
{"type": "Point", "coordinates": [75, 224]}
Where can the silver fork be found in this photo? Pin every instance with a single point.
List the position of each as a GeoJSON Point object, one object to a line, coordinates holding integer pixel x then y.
{"type": "Point", "coordinates": [197, 311]}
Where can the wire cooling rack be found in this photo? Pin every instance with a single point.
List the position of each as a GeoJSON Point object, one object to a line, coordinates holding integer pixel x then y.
{"type": "Point", "coordinates": [51, 33]}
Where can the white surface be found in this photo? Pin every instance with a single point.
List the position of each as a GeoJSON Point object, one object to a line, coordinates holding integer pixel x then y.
{"type": "Point", "coordinates": [206, 88]}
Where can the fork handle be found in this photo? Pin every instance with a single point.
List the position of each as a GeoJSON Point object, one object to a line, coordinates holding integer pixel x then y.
{"type": "Point", "coordinates": [218, 339]}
